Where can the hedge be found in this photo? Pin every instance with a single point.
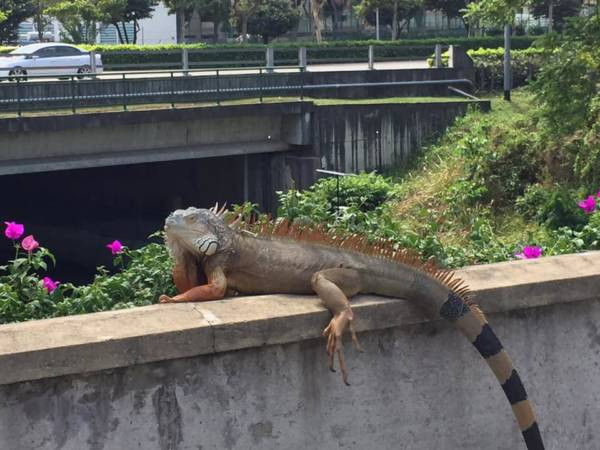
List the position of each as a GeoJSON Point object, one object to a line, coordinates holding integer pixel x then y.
{"type": "Point", "coordinates": [489, 70]}
{"type": "Point", "coordinates": [236, 55]}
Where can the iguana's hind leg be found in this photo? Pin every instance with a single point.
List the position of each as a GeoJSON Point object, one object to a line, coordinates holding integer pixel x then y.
{"type": "Point", "coordinates": [334, 287]}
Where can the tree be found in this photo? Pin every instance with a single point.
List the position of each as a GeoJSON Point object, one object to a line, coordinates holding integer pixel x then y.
{"type": "Point", "coordinates": [273, 18]}
{"type": "Point", "coordinates": [335, 9]}
{"type": "Point", "coordinates": [40, 17]}
{"type": "Point", "coordinates": [450, 8]}
{"type": "Point", "coordinates": [316, 7]}
{"type": "Point", "coordinates": [185, 9]}
{"type": "Point", "coordinates": [78, 18]}
{"type": "Point", "coordinates": [393, 13]}
{"type": "Point", "coordinates": [15, 12]}
{"type": "Point", "coordinates": [557, 11]}
{"type": "Point", "coordinates": [120, 12]}
{"type": "Point", "coordinates": [2, 16]}
{"type": "Point", "coordinates": [241, 13]}
{"type": "Point", "coordinates": [215, 11]}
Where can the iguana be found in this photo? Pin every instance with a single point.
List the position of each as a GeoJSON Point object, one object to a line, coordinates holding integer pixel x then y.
{"type": "Point", "coordinates": [271, 258]}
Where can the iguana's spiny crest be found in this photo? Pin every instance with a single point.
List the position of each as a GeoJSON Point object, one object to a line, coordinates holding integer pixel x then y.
{"type": "Point", "coordinates": [205, 232]}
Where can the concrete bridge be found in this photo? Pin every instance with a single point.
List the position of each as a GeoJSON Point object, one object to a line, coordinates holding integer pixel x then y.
{"type": "Point", "coordinates": [100, 176]}
{"type": "Point", "coordinates": [251, 372]}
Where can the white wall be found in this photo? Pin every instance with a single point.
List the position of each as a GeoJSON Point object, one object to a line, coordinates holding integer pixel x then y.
{"type": "Point", "coordinates": [161, 28]}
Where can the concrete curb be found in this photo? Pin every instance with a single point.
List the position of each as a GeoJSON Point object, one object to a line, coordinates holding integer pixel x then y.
{"type": "Point", "coordinates": [93, 342]}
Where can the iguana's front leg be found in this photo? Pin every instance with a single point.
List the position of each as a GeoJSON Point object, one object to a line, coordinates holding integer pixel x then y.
{"type": "Point", "coordinates": [185, 274]}
{"type": "Point", "coordinates": [334, 287]}
{"type": "Point", "coordinates": [215, 289]}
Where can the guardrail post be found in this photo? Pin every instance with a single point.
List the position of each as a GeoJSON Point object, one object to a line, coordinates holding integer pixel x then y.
{"type": "Point", "coordinates": [124, 94]}
{"type": "Point", "coordinates": [302, 60]}
{"type": "Point", "coordinates": [437, 62]}
{"type": "Point", "coordinates": [302, 72]}
{"type": "Point", "coordinates": [218, 90]}
{"type": "Point", "coordinates": [371, 57]}
{"type": "Point", "coordinates": [260, 83]}
{"type": "Point", "coordinates": [270, 56]}
{"type": "Point", "coordinates": [185, 60]}
{"type": "Point", "coordinates": [18, 97]}
{"type": "Point", "coordinates": [172, 91]}
{"type": "Point", "coordinates": [93, 67]}
{"type": "Point", "coordinates": [72, 94]}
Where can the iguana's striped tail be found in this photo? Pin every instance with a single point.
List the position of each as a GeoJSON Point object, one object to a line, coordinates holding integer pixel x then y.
{"type": "Point", "coordinates": [472, 323]}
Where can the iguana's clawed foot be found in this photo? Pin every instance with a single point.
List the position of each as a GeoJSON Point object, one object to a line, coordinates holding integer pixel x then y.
{"type": "Point", "coordinates": [334, 332]}
{"type": "Point", "coordinates": [165, 299]}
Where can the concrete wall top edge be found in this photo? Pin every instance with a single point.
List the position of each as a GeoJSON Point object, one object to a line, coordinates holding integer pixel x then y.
{"type": "Point", "coordinates": [87, 343]}
{"type": "Point", "coordinates": [107, 119]}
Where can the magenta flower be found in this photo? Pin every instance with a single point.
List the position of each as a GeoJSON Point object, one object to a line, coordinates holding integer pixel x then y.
{"type": "Point", "coordinates": [530, 252]}
{"type": "Point", "coordinates": [29, 243]}
{"type": "Point", "coordinates": [598, 194]}
{"type": "Point", "coordinates": [50, 285]}
{"type": "Point", "coordinates": [588, 205]}
{"type": "Point", "coordinates": [115, 247]}
{"type": "Point", "coordinates": [14, 230]}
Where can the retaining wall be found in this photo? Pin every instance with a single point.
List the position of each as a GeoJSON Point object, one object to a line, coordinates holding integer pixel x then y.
{"type": "Point", "coordinates": [250, 372]}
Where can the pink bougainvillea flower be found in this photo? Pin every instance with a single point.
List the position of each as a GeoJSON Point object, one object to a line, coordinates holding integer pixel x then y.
{"type": "Point", "coordinates": [588, 205]}
{"type": "Point", "coordinates": [598, 194]}
{"type": "Point", "coordinates": [115, 247]}
{"type": "Point", "coordinates": [50, 284]}
{"type": "Point", "coordinates": [530, 252]}
{"type": "Point", "coordinates": [14, 230]}
{"type": "Point", "coordinates": [29, 243]}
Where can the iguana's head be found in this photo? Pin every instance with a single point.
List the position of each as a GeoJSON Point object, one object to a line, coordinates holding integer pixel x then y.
{"type": "Point", "coordinates": [200, 232]}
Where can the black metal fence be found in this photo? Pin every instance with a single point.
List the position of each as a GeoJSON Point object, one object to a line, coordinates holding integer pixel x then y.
{"type": "Point", "coordinates": [125, 89]}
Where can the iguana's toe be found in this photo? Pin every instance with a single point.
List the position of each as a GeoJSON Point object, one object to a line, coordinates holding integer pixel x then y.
{"type": "Point", "coordinates": [165, 299]}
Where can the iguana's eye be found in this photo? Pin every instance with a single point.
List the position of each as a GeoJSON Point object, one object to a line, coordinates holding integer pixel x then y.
{"type": "Point", "coordinates": [191, 218]}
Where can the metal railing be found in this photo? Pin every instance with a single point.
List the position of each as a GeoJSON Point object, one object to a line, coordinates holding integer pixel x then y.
{"type": "Point", "coordinates": [243, 57]}
{"type": "Point", "coordinates": [192, 86]}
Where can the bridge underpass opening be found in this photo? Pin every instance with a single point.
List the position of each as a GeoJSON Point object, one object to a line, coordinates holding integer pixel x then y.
{"type": "Point", "coordinates": [75, 213]}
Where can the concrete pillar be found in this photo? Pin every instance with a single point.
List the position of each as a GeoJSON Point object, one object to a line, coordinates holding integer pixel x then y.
{"type": "Point", "coordinates": [371, 57]}
{"type": "Point", "coordinates": [93, 62]}
{"type": "Point", "coordinates": [185, 61]}
{"type": "Point", "coordinates": [437, 63]}
{"type": "Point", "coordinates": [302, 59]}
{"type": "Point", "coordinates": [270, 58]}
{"type": "Point", "coordinates": [507, 63]}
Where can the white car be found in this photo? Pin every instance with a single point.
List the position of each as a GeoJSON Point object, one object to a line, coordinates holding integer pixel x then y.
{"type": "Point", "coordinates": [47, 59]}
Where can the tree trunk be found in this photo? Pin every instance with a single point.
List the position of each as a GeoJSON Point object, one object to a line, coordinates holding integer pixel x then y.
{"type": "Point", "coordinates": [216, 31]}
{"type": "Point", "coordinates": [395, 21]}
{"type": "Point", "coordinates": [550, 16]}
{"type": "Point", "coordinates": [315, 7]}
{"type": "Point", "coordinates": [116, 25]}
{"type": "Point", "coordinates": [39, 23]}
{"type": "Point", "coordinates": [244, 27]}
{"type": "Point", "coordinates": [136, 29]}
{"type": "Point", "coordinates": [125, 33]}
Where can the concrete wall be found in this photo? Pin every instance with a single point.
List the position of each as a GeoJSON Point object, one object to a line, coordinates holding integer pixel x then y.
{"type": "Point", "coordinates": [251, 372]}
{"type": "Point", "coordinates": [352, 138]}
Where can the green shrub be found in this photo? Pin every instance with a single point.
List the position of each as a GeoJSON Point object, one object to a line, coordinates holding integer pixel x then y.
{"type": "Point", "coordinates": [489, 66]}
{"type": "Point", "coordinates": [361, 202]}
{"type": "Point", "coordinates": [236, 55]}
{"type": "Point", "coordinates": [143, 275]}
{"type": "Point", "coordinates": [554, 206]}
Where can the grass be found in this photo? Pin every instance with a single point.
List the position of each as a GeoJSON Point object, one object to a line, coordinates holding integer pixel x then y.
{"type": "Point", "coordinates": [251, 101]}
{"type": "Point", "coordinates": [426, 189]}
